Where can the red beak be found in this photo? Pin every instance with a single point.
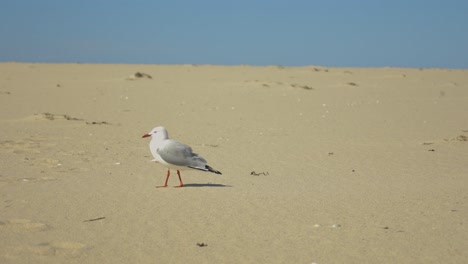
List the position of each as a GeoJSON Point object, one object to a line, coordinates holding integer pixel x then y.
{"type": "Point", "coordinates": [146, 135]}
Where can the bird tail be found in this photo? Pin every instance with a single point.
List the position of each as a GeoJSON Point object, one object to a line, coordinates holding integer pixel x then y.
{"type": "Point", "coordinates": [213, 170]}
{"type": "Point", "coordinates": [207, 168]}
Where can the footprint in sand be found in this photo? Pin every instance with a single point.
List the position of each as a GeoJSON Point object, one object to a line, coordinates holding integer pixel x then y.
{"type": "Point", "coordinates": [270, 84]}
{"type": "Point", "coordinates": [31, 146]}
{"type": "Point", "coordinates": [49, 163]}
{"type": "Point", "coordinates": [44, 178]}
{"type": "Point", "coordinates": [22, 226]}
{"type": "Point", "coordinates": [139, 75]}
{"type": "Point", "coordinates": [61, 117]}
{"type": "Point", "coordinates": [49, 116]}
{"type": "Point", "coordinates": [68, 249]}
{"type": "Point", "coordinates": [459, 138]}
{"type": "Point", "coordinates": [27, 145]}
{"type": "Point", "coordinates": [20, 146]}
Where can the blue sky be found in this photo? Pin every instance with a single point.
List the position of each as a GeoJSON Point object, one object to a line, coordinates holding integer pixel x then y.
{"type": "Point", "coordinates": [366, 33]}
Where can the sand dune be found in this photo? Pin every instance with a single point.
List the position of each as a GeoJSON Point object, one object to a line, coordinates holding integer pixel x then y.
{"type": "Point", "coordinates": [320, 165]}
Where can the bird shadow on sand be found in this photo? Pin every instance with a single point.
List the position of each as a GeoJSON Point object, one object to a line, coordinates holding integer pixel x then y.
{"type": "Point", "coordinates": [205, 185]}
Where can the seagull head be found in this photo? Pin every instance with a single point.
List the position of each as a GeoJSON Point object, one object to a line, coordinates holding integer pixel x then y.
{"type": "Point", "coordinates": [157, 132]}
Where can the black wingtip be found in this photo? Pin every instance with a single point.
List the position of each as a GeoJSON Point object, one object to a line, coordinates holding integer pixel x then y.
{"type": "Point", "coordinates": [213, 170]}
{"type": "Point", "coordinates": [207, 168]}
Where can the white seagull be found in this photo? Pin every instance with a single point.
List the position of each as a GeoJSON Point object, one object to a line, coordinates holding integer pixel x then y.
{"type": "Point", "coordinates": [174, 155]}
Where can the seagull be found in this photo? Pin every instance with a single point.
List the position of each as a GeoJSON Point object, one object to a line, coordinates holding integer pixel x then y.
{"type": "Point", "coordinates": [174, 155]}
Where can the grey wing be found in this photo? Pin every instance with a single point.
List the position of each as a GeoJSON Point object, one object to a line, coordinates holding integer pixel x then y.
{"type": "Point", "coordinates": [181, 155]}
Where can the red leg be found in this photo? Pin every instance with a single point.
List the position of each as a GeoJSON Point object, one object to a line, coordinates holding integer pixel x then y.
{"type": "Point", "coordinates": [167, 178]}
{"type": "Point", "coordinates": [180, 180]}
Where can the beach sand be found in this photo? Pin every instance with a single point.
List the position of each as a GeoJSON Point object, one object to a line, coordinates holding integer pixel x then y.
{"type": "Point", "coordinates": [320, 165]}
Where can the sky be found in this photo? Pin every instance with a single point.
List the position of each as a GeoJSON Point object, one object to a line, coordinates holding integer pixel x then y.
{"type": "Point", "coordinates": [333, 33]}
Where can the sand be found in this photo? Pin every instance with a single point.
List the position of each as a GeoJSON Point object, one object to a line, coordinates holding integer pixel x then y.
{"type": "Point", "coordinates": [320, 165]}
